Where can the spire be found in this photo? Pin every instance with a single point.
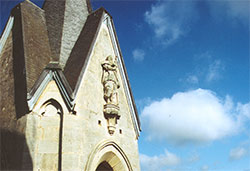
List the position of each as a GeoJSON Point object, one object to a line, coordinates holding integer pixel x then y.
{"type": "Point", "coordinates": [65, 20]}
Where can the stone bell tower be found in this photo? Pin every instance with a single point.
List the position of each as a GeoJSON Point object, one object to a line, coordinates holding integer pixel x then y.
{"type": "Point", "coordinates": [65, 98]}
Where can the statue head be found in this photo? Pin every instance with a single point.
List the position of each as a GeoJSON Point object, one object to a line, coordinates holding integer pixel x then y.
{"type": "Point", "coordinates": [109, 58]}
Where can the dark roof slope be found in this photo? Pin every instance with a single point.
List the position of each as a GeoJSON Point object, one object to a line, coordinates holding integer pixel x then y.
{"type": "Point", "coordinates": [7, 88]}
{"type": "Point", "coordinates": [65, 20]}
{"type": "Point", "coordinates": [54, 14]}
{"type": "Point", "coordinates": [82, 48]}
{"type": "Point", "coordinates": [30, 40]}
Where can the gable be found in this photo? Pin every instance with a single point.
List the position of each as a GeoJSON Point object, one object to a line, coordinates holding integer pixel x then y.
{"type": "Point", "coordinates": [60, 89]}
{"type": "Point", "coordinates": [99, 23]}
{"type": "Point", "coordinates": [51, 93]}
{"type": "Point", "coordinates": [90, 90]}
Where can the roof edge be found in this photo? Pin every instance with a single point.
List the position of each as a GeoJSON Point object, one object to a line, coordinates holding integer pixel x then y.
{"type": "Point", "coordinates": [126, 75]}
{"type": "Point", "coordinates": [5, 34]}
{"type": "Point", "coordinates": [89, 53]}
{"type": "Point", "coordinates": [82, 49]}
{"type": "Point", "coordinates": [48, 74]}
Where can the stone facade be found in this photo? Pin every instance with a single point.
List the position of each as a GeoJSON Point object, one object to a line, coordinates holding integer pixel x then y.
{"type": "Point", "coordinates": [65, 125]}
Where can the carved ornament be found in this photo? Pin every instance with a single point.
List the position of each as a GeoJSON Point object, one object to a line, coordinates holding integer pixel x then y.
{"type": "Point", "coordinates": [110, 86]}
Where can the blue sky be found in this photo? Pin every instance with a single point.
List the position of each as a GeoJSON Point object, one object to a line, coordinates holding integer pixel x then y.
{"type": "Point", "coordinates": [188, 65]}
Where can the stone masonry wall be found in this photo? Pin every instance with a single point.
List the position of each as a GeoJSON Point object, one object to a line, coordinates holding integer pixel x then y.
{"type": "Point", "coordinates": [43, 130]}
{"type": "Point", "coordinates": [86, 129]}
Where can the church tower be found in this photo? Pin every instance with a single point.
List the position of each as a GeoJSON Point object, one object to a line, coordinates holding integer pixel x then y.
{"type": "Point", "coordinates": [65, 98]}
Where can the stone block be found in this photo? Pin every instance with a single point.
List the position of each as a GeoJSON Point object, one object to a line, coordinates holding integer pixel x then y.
{"type": "Point", "coordinates": [71, 147]}
{"type": "Point", "coordinates": [51, 121]}
{"type": "Point", "coordinates": [46, 162]}
{"type": "Point", "coordinates": [48, 146]}
{"type": "Point", "coordinates": [51, 133]}
{"type": "Point", "coordinates": [70, 162]}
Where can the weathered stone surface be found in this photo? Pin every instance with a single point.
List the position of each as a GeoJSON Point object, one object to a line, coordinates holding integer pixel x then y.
{"type": "Point", "coordinates": [48, 146]}
{"type": "Point", "coordinates": [70, 162]}
{"type": "Point", "coordinates": [90, 101]}
{"type": "Point", "coordinates": [48, 161]}
{"type": "Point", "coordinates": [50, 122]}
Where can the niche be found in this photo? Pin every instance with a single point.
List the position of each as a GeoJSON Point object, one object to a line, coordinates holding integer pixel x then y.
{"type": "Point", "coordinates": [51, 108]}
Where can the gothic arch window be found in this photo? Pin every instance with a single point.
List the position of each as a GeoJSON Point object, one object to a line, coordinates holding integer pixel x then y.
{"type": "Point", "coordinates": [53, 114]}
{"type": "Point", "coordinates": [51, 108]}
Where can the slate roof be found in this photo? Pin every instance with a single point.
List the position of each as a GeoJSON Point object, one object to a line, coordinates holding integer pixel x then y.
{"type": "Point", "coordinates": [82, 49]}
{"type": "Point", "coordinates": [31, 50]}
{"type": "Point", "coordinates": [65, 19]}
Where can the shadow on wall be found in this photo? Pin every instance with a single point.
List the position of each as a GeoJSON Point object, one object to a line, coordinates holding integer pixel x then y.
{"type": "Point", "coordinates": [14, 152]}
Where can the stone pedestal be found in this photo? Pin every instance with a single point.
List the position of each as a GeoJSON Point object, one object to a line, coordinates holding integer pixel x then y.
{"type": "Point", "coordinates": [111, 114]}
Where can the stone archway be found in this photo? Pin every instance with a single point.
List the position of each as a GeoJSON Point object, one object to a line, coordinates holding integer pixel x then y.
{"type": "Point", "coordinates": [51, 108]}
{"type": "Point", "coordinates": [51, 123]}
{"type": "Point", "coordinates": [110, 155]}
{"type": "Point", "coordinates": [104, 166]}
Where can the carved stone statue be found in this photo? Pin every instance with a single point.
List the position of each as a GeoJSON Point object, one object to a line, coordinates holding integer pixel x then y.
{"type": "Point", "coordinates": [110, 86]}
{"type": "Point", "coordinates": [110, 81]}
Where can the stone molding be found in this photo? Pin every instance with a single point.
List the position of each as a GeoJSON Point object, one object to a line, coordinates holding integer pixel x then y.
{"type": "Point", "coordinates": [6, 32]}
{"type": "Point", "coordinates": [107, 20]}
{"type": "Point", "coordinates": [42, 82]}
{"type": "Point", "coordinates": [110, 152]}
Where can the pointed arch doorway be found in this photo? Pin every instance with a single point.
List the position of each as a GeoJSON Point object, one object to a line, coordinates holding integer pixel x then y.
{"type": "Point", "coordinates": [108, 156]}
{"type": "Point", "coordinates": [104, 166]}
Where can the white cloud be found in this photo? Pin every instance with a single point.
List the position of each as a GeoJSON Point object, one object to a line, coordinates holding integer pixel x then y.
{"type": "Point", "coordinates": [237, 153]}
{"type": "Point", "coordinates": [138, 54]}
{"type": "Point", "coordinates": [193, 79]}
{"type": "Point", "coordinates": [190, 117]}
{"type": "Point", "coordinates": [204, 168]}
{"type": "Point", "coordinates": [141, 103]}
{"type": "Point", "coordinates": [234, 10]}
{"type": "Point", "coordinates": [206, 69]}
{"type": "Point", "coordinates": [207, 55]}
{"type": "Point", "coordinates": [239, 9]}
{"type": "Point", "coordinates": [194, 158]}
{"type": "Point", "coordinates": [214, 71]}
{"type": "Point", "coordinates": [171, 19]}
{"type": "Point", "coordinates": [149, 163]}
{"type": "Point", "coordinates": [244, 109]}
